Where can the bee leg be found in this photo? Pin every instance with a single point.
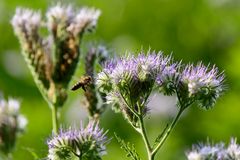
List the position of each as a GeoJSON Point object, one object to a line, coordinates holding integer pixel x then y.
{"type": "Point", "coordinates": [83, 87]}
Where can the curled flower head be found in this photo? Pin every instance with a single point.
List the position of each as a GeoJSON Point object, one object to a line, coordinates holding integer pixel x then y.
{"type": "Point", "coordinates": [26, 22]}
{"type": "Point", "coordinates": [84, 143]}
{"type": "Point", "coordinates": [103, 53]}
{"type": "Point", "coordinates": [215, 151]}
{"type": "Point", "coordinates": [53, 58]}
{"type": "Point", "coordinates": [130, 80]}
{"type": "Point", "coordinates": [86, 19]}
{"type": "Point", "coordinates": [12, 123]}
{"type": "Point", "coordinates": [149, 66]}
{"type": "Point", "coordinates": [205, 84]}
{"type": "Point", "coordinates": [103, 80]}
{"type": "Point", "coordinates": [63, 19]}
{"type": "Point", "coordinates": [140, 69]}
{"type": "Point", "coordinates": [168, 79]}
{"type": "Point", "coordinates": [59, 18]}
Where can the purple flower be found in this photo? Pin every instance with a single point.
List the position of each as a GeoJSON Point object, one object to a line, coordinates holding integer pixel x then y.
{"type": "Point", "coordinates": [168, 79]}
{"type": "Point", "coordinates": [103, 79]}
{"type": "Point", "coordinates": [64, 17]}
{"type": "Point", "coordinates": [215, 151]}
{"type": "Point", "coordinates": [151, 64]}
{"type": "Point", "coordinates": [206, 151]}
{"type": "Point", "coordinates": [205, 84]}
{"type": "Point", "coordinates": [135, 69]}
{"type": "Point", "coordinates": [233, 149]}
{"type": "Point", "coordinates": [85, 19]}
{"type": "Point", "coordinates": [109, 66]}
{"type": "Point", "coordinates": [130, 80]}
{"type": "Point", "coordinates": [88, 142]}
{"type": "Point", "coordinates": [26, 22]}
{"type": "Point", "coordinates": [133, 78]}
{"type": "Point", "coordinates": [61, 20]}
{"type": "Point", "coordinates": [59, 15]}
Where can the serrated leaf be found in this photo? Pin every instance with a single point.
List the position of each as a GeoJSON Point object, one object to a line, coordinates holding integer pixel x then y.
{"type": "Point", "coordinates": [128, 148]}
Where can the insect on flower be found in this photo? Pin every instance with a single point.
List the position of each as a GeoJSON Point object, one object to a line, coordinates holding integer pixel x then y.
{"type": "Point", "coordinates": [82, 83]}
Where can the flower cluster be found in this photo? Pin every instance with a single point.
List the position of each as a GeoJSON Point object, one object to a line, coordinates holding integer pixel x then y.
{"type": "Point", "coordinates": [12, 123]}
{"type": "Point", "coordinates": [66, 26]}
{"type": "Point", "coordinates": [84, 143]}
{"type": "Point", "coordinates": [201, 84]}
{"type": "Point", "coordinates": [215, 152]}
{"type": "Point", "coordinates": [129, 81]}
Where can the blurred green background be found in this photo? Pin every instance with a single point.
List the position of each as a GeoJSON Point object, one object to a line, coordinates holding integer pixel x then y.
{"type": "Point", "coordinates": [192, 30]}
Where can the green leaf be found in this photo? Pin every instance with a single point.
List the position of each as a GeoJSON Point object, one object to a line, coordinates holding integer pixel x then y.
{"type": "Point", "coordinates": [128, 148]}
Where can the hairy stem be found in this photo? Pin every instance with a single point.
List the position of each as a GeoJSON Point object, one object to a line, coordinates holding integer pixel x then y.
{"type": "Point", "coordinates": [9, 156]}
{"type": "Point", "coordinates": [145, 138]}
{"type": "Point", "coordinates": [55, 125]}
{"type": "Point", "coordinates": [128, 106]}
{"type": "Point", "coordinates": [168, 131]}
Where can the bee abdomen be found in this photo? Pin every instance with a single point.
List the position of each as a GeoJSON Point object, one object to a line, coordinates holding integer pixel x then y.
{"type": "Point", "coordinates": [76, 86]}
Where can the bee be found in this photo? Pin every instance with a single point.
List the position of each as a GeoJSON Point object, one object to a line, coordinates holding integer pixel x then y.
{"type": "Point", "coordinates": [82, 83]}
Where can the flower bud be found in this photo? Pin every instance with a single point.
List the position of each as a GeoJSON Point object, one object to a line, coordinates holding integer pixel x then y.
{"type": "Point", "coordinates": [12, 123]}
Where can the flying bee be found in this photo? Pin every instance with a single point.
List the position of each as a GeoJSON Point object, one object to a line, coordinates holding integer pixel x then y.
{"type": "Point", "coordinates": [82, 83]}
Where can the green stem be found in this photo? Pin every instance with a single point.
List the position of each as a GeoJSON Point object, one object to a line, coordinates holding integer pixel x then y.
{"type": "Point", "coordinates": [55, 124]}
{"type": "Point", "coordinates": [145, 139]}
{"type": "Point", "coordinates": [126, 103]}
{"type": "Point", "coordinates": [168, 131]}
{"type": "Point", "coordinates": [9, 156]}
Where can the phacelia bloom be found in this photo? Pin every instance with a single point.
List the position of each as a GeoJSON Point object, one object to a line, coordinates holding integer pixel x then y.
{"type": "Point", "coordinates": [12, 123]}
{"type": "Point", "coordinates": [215, 152]}
{"type": "Point", "coordinates": [168, 79]}
{"type": "Point", "coordinates": [233, 150]}
{"type": "Point", "coordinates": [84, 143]}
{"type": "Point", "coordinates": [130, 80]}
{"type": "Point", "coordinates": [26, 23]}
{"type": "Point", "coordinates": [85, 20]}
{"type": "Point", "coordinates": [53, 58]}
{"type": "Point", "coordinates": [204, 84]}
{"type": "Point", "coordinates": [64, 19]}
{"type": "Point", "coordinates": [103, 80]}
{"type": "Point", "coordinates": [59, 16]}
